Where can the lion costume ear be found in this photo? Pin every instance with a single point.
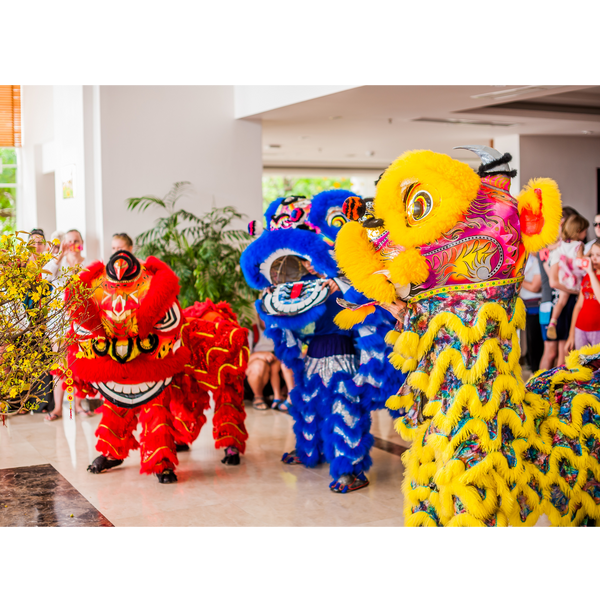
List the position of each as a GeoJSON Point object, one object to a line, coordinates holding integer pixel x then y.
{"type": "Point", "coordinates": [540, 212]}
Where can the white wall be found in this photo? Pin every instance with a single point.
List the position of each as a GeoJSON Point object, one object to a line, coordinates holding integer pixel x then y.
{"type": "Point", "coordinates": [69, 151]}
{"type": "Point", "coordinates": [154, 136]}
{"type": "Point", "coordinates": [511, 144]}
{"type": "Point", "coordinates": [36, 205]}
{"type": "Point", "coordinates": [130, 141]}
{"type": "Point", "coordinates": [572, 161]}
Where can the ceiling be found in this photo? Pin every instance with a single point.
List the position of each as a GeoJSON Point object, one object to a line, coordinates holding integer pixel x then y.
{"type": "Point", "coordinates": [369, 126]}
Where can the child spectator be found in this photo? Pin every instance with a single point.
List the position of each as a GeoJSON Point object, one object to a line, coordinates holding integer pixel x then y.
{"type": "Point", "coordinates": [121, 241]}
{"type": "Point", "coordinates": [585, 326]}
{"type": "Point", "coordinates": [562, 264]}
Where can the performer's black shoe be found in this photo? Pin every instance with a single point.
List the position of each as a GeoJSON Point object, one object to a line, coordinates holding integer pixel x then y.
{"type": "Point", "coordinates": [232, 456]}
{"type": "Point", "coordinates": [349, 483]}
{"type": "Point", "coordinates": [167, 476]}
{"type": "Point", "coordinates": [181, 447]}
{"type": "Point", "coordinates": [103, 463]}
{"type": "Point", "coordinates": [291, 458]}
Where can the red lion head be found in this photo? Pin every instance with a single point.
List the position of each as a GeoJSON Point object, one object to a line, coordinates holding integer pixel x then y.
{"type": "Point", "coordinates": [131, 331]}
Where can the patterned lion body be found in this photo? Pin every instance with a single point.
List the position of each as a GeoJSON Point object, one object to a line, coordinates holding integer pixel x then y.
{"type": "Point", "coordinates": [485, 450]}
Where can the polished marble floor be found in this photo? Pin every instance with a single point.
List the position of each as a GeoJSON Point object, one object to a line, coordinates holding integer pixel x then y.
{"type": "Point", "coordinates": [262, 491]}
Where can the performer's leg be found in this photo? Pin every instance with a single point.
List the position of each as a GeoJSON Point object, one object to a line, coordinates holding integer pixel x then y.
{"type": "Point", "coordinates": [157, 440]}
{"type": "Point", "coordinates": [229, 429]}
{"type": "Point", "coordinates": [187, 403]}
{"type": "Point", "coordinates": [304, 410]}
{"type": "Point", "coordinates": [346, 435]}
{"type": "Point", "coordinates": [115, 437]}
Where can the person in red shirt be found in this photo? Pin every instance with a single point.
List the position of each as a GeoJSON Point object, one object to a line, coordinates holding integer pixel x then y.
{"type": "Point", "coordinates": [585, 324]}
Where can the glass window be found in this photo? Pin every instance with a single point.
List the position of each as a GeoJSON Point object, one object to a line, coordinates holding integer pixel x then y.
{"type": "Point", "coordinates": [8, 188]}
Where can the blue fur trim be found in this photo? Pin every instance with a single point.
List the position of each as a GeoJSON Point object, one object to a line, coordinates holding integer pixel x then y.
{"type": "Point", "coordinates": [296, 323]}
{"type": "Point", "coordinates": [321, 203]}
{"type": "Point", "coordinates": [298, 241]}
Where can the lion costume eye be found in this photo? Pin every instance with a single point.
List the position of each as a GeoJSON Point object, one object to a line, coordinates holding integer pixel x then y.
{"type": "Point", "coordinates": [419, 204]}
{"type": "Point", "coordinates": [171, 320]}
{"type": "Point", "coordinates": [335, 218]}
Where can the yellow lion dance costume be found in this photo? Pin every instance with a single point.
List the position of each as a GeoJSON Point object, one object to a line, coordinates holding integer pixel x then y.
{"type": "Point", "coordinates": [452, 244]}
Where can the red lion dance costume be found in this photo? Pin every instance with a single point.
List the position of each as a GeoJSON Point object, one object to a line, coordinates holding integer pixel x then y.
{"type": "Point", "coordinates": [155, 364]}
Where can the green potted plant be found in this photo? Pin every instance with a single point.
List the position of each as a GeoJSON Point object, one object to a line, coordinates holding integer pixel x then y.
{"type": "Point", "coordinates": [204, 251]}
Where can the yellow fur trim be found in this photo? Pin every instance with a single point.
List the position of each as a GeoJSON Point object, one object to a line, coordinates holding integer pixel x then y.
{"type": "Point", "coordinates": [453, 185]}
{"type": "Point", "coordinates": [391, 337]}
{"type": "Point", "coordinates": [397, 402]}
{"type": "Point", "coordinates": [551, 212]}
{"type": "Point", "coordinates": [420, 519]}
{"type": "Point", "coordinates": [465, 520]}
{"type": "Point", "coordinates": [430, 384]}
{"type": "Point", "coordinates": [358, 259]}
{"type": "Point", "coordinates": [346, 319]}
{"type": "Point", "coordinates": [408, 267]}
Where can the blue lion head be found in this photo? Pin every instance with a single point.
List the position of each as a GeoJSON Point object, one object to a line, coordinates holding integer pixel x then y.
{"type": "Point", "coordinates": [293, 255]}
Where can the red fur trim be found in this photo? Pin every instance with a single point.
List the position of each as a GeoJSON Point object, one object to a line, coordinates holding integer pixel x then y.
{"type": "Point", "coordinates": [157, 440]}
{"type": "Point", "coordinates": [115, 431]}
{"type": "Point", "coordinates": [219, 350]}
{"type": "Point", "coordinates": [164, 287]}
{"type": "Point", "coordinates": [229, 428]}
{"type": "Point", "coordinates": [210, 311]}
{"type": "Point", "coordinates": [532, 223]}
{"type": "Point", "coordinates": [187, 409]}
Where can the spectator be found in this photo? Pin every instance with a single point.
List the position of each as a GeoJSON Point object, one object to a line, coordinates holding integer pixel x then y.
{"type": "Point", "coordinates": [69, 255]}
{"type": "Point", "coordinates": [263, 368]}
{"type": "Point", "coordinates": [585, 325]}
{"type": "Point", "coordinates": [37, 243]}
{"type": "Point", "coordinates": [552, 348]}
{"type": "Point", "coordinates": [588, 246]}
{"type": "Point", "coordinates": [531, 296]}
{"type": "Point", "coordinates": [121, 241]}
{"type": "Point", "coordinates": [564, 275]}
{"type": "Point", "coordinates": [41, 389]}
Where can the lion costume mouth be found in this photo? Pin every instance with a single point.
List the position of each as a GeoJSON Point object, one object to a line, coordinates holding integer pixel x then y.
{"type": "Point", "coordinates": [131, 395]}
{"type": "Point", "coordinates": [295, 298]}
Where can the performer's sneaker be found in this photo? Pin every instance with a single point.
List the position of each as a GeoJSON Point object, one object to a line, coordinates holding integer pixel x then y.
{"type": "Point", "coordinates": [181, 447]}
{"type": "Point", "coordinates": [291, 458]}
{"type": "Point", "coordinates": [349, 483]}
{"type": "Point", "coordinates": [232, 456]}
{"type": "Point", "coordinates": [167, 476]}
{"type": "Point", "coordinates": [103, 463]}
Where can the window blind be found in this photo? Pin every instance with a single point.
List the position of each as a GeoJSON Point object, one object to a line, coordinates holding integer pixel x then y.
{"type": "Point", "coordinates": [10, 115]}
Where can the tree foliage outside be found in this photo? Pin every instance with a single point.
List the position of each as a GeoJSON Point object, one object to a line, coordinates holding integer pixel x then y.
{"type": "Point", "coordinates": [204, 251]}
{"type": "Point", "coordinates": [277, 186]}
{"type": "Point", "coordinates": [34, 322]}
{"type": "Point", "coordinates": [8, 156]}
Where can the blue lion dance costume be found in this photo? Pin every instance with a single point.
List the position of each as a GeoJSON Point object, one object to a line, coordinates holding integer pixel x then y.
{"type": "Point", "coordinates": [343, 375]}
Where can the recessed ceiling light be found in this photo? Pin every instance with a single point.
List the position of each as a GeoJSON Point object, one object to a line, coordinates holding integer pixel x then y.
{"type": "Point", "coordinates": [370, 152]}
{"type": "Point", "coordinates": [528, 89]}
{"type": "Point", "coordinates": [334, 118]}
{"type": "Point", "coordinates": [304, 137]}
{"type": "Point", "coordinates": [587, 132]}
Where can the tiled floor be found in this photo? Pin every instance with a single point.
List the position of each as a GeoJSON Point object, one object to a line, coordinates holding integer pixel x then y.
{"type": "Point", "coordinates": [262, 491]}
